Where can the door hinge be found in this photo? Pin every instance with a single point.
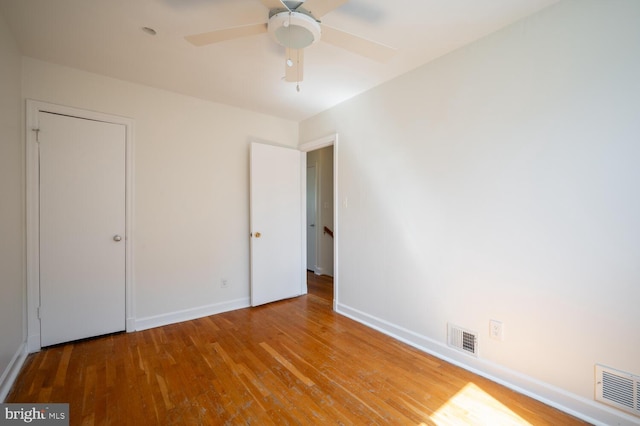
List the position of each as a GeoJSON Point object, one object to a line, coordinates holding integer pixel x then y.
{"type": "Point", "coordinates": [37, 134]}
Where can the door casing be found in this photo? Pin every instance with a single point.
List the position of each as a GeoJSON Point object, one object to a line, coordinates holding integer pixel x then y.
{"type": "Point", "coordinates": [32, 204]}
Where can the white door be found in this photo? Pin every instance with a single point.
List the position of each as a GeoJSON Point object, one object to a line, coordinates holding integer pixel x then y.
{"type": "Point", "coordinates": [277, 269]}
{"type": "Point", "coordinates": [311, 217]}
{"type": "Point", "coordinates": [82, 228]}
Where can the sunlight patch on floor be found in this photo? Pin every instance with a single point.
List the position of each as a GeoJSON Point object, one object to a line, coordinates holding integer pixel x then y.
{"type": "Point", "coordinates": [473, 406]}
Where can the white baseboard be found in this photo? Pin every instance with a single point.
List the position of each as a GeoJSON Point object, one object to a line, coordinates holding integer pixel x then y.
{"type": "Point", "coordinates": [10, 373]}
{"type": "Point", "coordinates": [33, 343]}
{"type": "Point", "coordinates": [133, 324]}
{"type": "Point", "coordinates": [585, 409]}
{"type": "Point", "coordinates": [190, 314]}
{"type": "Point", "coordinates": [130, 325]}
{"type": "Point", "coordinates": [320, 271]}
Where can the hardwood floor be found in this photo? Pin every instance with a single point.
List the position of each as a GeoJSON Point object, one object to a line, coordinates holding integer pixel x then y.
{"type": "Point", "coordinates": [320, 286]}
{"type": "Point", "coordinates": [290, 362]}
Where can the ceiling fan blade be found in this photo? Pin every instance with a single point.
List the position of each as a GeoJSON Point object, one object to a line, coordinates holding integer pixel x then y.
{"type": "Point", "coordinates": [293, 73]}
{"type": "Point", "coordinates": [361, 46]}
{"type": "Point", "coordinates": [272, 4]}
{"type": "Point", "coordinates": [226, 34]}
{"type": "Point", "coordinates": [319, 8]}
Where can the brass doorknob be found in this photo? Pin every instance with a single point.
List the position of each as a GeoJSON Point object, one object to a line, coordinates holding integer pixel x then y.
{"type": "Point", "coordinates": [258, 235]}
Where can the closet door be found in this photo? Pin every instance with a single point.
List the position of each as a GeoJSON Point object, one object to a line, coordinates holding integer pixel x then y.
{"type": "Point", "coordinates": [82, 227]}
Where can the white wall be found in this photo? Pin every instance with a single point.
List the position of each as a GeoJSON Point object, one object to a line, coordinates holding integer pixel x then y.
{"type": "Point", "coordinates": [191, 209]}
{"type": "Point", "coordinates": [502, 181]}
{"type": "Point", "coordinates": [12, 228]}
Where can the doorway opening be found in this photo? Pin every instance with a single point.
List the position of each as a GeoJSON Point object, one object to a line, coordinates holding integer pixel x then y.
{"type": "Point", "coordinates": [322, 215]}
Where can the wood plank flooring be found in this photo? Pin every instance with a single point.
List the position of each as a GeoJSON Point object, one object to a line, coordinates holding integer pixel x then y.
{"type": "Point", "coordinates": [291, 362]}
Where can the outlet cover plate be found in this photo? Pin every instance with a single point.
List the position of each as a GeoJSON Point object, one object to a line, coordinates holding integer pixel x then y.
{"type": "Point", "coordinates": [496, 330]}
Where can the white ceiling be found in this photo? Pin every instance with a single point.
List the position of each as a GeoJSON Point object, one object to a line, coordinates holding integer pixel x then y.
{"type": "Point", "coordinates": [105, 37]}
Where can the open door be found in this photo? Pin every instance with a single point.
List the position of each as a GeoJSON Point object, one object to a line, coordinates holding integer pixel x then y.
{"type": "Point", "coordinates": [277, 196]}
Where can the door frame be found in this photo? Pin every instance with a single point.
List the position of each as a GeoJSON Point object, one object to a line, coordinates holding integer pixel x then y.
{"type": "Point", "coordinates": [330, 140]}
{"type": "Point", "coordinates": [34, 107]}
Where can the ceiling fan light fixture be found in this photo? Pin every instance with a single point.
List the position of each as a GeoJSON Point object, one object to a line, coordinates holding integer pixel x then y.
{"type": "Point", "coordinates": [294, 29]}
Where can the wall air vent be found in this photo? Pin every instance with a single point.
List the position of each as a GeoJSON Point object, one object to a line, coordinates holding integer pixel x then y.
{"type": "Point", "coordinates": [463, 340]}
{"type": "Point", "coordinates": [618, 389]}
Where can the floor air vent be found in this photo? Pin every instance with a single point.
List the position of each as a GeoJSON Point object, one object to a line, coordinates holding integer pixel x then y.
{"type": "Point", "coordinates": [618, 389]}
{"type": "Point", "coordinates": [464, 340]}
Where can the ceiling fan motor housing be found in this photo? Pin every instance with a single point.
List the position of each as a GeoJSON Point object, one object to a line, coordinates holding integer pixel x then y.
{"type": "Point", "coordinates": [294, 30]}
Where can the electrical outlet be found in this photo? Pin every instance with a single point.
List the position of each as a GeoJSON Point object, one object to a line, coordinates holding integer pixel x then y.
{"type": "Point", "coordinates": [224, 283]}
{"type": "Point", "coordinates": [496, 330]}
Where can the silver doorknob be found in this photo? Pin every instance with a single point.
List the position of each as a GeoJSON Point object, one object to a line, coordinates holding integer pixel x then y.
{"type": "Point", "coordinates": [117, 238]}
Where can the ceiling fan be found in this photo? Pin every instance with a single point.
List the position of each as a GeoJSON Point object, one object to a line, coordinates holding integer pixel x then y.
{"type": "Point", "coordinates": [296, 25]}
